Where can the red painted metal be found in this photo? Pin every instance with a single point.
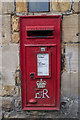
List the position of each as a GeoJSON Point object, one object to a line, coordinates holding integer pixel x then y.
{"type": "Point", "coordinates": [40, 92]}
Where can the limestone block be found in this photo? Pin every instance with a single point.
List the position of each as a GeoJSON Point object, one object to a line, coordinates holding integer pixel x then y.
{"type": "Point", "coordinates": [10, 59]}
{"type": "Point", "coordinates": [21, 6]}
{"type": "Point", "coordinates": [6, 29]}
{"type": "Point", "coordinates": [0, 108]}
{"type": "Point", "coordinates": [15, 37]}
{"type": "Point", "coordinates": [71, 57]}
{"type": "Point", "coordinates": [0, 29]}
{"type": "Point", "coordinates": [69, 79]}
{"type": "Point", "coordinates": [18, 102]}
{"type": "Point", "coordinates": [76, 6]}
{"type": "Point", "coordinates": [18, 76]}
{"type": "Point", "coordinates": [70, 28]}
{"type": "Point", "coordinates": [0, 88]}
{"type": "Point", "coordinates": [7, 7]}
{"type": "Point", "coordinates": [69, 85]}
{"type": "Point", "coordinates": [79, 26]}
{"type": "Point", "coordinates": [7, 104]}
{"type": "Point", "coordinates": [0, 62]}
{"type": "Point", "coordinates": [18, 91]}
{"type": "Point", "coordinates": [0, 8]}
{"type": "Point", "coordinates": [0, 69]}
{"type": "Point", "coordinates": [0, 102]}
{"type": "Point", "coordinates": [8, 91]}
{"type": "Point", "coordinates": [79, 69]}
{"type": "Point", "coordinates": [60, 6]}
{"type": "Point", "coordinates": [15, 23]}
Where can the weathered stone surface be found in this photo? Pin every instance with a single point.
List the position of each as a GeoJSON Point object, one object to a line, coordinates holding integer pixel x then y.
{"type": "Point", "coordinates": [79, 71]}
{"type": "Point", "coordinates": [70, 85]}
{"type": "Point", "coordinates": [17, 76]}
{"type": "Point", "coordinates": [18, 103]}
{"type": "Point", "coordinates": [60, 6]}
{"type": "Point", "coordinates": [79, 25]}
{"type": "Point", "coordinates": [0, 102]}
{"type": "Point", "coordinates": [7, 104]}
{"type": "Point", "coordinates": [7, 7]}
{"type": "Point", "coordinates": [15, 23]}
{"type": "Point", "coordinates": [76, 6]}
{"type": "Point", "coordinates": [15, 37]}
{"type": "Point", "coordinates": [8, 91]}
{"type": "Point", "coordinates": [71, 57]}
{"type": "Point", "coordinates": [0, 8]}
{"type": "Point", "coordinates": [0, 87]}
{"type": "Point", "coordinates": [0, 108]}
{"type": "Point", "coordinates": [0, 29]}
{"type": "Point", "coordinates": [69, 80]}
{"type": "Point", "coordinates": [30, 13]}
{"type": "Point", "coordinates": [6, 29]}
{"type": "Point", "coordinates": [70, 111]}
{"type": "Point", "coordinates": [21, 6]}
{"type": "Point", "coordinates": [17, 91]}
{"type": "Point", "coordinates": [10, 59]}
{"type": "Point", "coordinates": [70, 28]}
{"type": "Point", "coordinates": [0, 70]}
{"type": "Point", "coordinates": [62, 58]}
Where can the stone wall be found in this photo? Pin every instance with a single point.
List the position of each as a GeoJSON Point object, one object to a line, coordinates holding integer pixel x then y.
{"type": "Point", "coordinates": [10, 87]}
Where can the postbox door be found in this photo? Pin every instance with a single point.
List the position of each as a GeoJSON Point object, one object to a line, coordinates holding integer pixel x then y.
{"type": "Point", "coordinates": [40, 75]}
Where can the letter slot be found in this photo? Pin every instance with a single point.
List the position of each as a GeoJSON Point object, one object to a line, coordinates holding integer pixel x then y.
{"type": "Point", "coordinates": [40, 32]}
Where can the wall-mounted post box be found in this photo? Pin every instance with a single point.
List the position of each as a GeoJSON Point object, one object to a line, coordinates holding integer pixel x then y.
{"type": "Point", "coordinates": [40, 62]}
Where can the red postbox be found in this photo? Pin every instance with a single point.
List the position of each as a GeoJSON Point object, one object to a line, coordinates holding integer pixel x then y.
{"type": "Point", "coordinates": [40, 62]}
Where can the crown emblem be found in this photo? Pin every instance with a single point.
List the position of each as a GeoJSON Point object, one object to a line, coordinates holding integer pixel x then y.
{"type": "Point", "coordinates": [41, 84]}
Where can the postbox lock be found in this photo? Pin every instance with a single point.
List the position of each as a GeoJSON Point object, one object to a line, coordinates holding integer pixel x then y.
{"type": "Point", "coordinates": [31, 75]}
